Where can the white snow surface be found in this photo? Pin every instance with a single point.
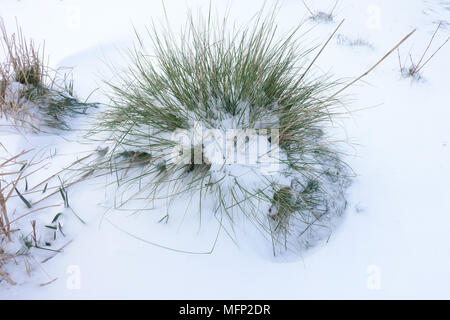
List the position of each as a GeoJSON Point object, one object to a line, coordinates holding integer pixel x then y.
{"type": "Point", "coordinates": [394, 239]}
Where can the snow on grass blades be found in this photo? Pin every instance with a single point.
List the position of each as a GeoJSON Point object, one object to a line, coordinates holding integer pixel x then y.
{"type": "Point", "coordinates": [234, 119]}
{"type": "Point", "coordinates": [33, 213]}
{"type": "Point", "coordinates": [31, 94]}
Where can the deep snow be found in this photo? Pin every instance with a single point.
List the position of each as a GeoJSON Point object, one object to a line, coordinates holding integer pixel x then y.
{"type": "Point", "coordinates": [394, 239]}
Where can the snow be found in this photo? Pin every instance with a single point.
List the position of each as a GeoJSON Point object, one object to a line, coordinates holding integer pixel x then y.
{"type": "Point", "coordinates": [394, 239]}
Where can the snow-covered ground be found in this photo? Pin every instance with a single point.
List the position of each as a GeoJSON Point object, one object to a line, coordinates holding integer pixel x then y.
{"type": "Point", "coordinates": [394, 241]}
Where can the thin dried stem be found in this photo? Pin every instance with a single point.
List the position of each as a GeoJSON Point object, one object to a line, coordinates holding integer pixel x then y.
{"type": "Point", "coordinates": [426, 50]}
{"type": "Point", "coordinates": [7, 278]}
{"type": "Point", "coordinates": [320, 51]}
{"type": "Point", "coordinates": [428, 60]}
{"type": "Point", "coordinates": [369, 70]}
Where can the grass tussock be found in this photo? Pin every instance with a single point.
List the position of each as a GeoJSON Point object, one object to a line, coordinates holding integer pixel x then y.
{"type": "Point", "coordinates": [33, 95]}
{"type": "Point", "coordinates": [252, 79]}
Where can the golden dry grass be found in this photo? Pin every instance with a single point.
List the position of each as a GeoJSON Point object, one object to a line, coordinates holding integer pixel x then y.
{"type": "Point", "coordinates": [32, 94]}
{"type": "Point", "coordinates": [15, 171]}
{"type": "Point", "coordinates": [5, 195]}
{"type": "Point", "coordinates": [23, 64]}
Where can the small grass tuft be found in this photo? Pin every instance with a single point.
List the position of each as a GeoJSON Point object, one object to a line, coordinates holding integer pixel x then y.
{"type": "Point", "coordinates": [321, 16]}
{"type": "Point", "coordinates": [413, 70]}
{"type": "Point", "coordinates": [356, 42]}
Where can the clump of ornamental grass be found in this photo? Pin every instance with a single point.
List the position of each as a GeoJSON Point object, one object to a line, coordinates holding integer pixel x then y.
{"type": "Point", "coordinates": [33, 95]}
{"type": "Point", "coordinates": [187, 119]}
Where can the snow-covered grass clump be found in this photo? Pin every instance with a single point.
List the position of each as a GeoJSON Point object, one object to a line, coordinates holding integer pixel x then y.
{"type": "Point", "coordinates": [236, 117]}
{"type": "Point", "coordinates": [33, 95]}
